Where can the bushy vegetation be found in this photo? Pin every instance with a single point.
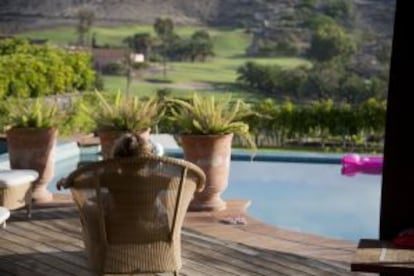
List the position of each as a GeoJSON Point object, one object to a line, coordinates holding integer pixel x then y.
{"type": "Point", "coordinates": [272, 80]}
{"type": "Point", "coordinates": [329, 125]}
{"type": "Point", "coordinates": [38, 70]}
{"type": "Point", "coordinates": [323, 121]}
{"type": "Point", "coordinates": [331, 41]}
{"type": "Point", "coordinates": [330, 101]}
{"type": "Point", "coordinates": [324, 80]}
{"type": "Point", "coordinates": [114, 69]}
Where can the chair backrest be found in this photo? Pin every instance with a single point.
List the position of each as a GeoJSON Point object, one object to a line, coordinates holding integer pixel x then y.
{"type": "Point", "coordinates": [132, 211]}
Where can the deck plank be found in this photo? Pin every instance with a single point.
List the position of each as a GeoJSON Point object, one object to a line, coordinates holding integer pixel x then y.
{"type": "Point", "coordinates": [266, 261]}
{"type": "Point", "coordinates": [49, 230]}
{"type": "Point", "coordinates": [9, 266]}
{"type": "Point", "coordinates": [61, 261]}
{"type": "Point", "coordinates": [241, 259]}
{"type": "Point", "coordinates": [54, 243]}
{"type": "Point", "coordinates": [50, 244]}
{"type": "Point", "coordinates": [26, 259]}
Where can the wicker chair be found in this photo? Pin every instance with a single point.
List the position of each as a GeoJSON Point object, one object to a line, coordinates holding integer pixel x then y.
{"type": "Point", "coordinates": [132, 210]}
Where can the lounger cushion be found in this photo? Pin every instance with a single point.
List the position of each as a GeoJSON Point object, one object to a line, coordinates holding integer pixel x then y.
{"type": "Point", "coordinates": [4, 214]}
{"type": "Point", "coordinates": [10, 178]}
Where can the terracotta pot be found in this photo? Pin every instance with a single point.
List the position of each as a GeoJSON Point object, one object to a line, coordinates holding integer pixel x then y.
{"type": "Point", "coordinates": [212, 153]}
{"type": "Point", "coordinates": [34, 148]}
{"type": "Point", "coordinates": [108, 138]}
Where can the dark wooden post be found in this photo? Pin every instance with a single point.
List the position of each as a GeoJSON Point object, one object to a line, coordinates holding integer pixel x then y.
{"type": "Point", "coordinates": [397, 199]}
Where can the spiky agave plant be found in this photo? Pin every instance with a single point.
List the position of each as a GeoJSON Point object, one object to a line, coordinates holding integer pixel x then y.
{"type": "Point", "coordinates": [125, 113]}
{"type": "Point", "coordinates": [207, 116]}
{"type": "Point", "coordinates": [37, 113]}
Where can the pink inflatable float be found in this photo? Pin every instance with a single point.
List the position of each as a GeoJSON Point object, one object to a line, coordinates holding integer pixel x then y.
{"type": "Point", "coordinates": [354, 163]}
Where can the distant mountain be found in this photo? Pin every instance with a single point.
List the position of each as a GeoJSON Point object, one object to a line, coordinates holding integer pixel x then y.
{"type": "Point", "coordinates": [19, 15]}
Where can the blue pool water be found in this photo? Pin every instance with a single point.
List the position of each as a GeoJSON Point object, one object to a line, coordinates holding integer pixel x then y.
{"type": "Point", "coordinates": [3, 145]}
{"type": "Point", "coordinates": [306, 197]}
{"type": "Point", "coordinates": [312, 198]}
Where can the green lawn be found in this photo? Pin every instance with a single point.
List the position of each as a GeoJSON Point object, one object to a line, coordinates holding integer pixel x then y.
{"type": "Point", "coordinates": [216, 75]}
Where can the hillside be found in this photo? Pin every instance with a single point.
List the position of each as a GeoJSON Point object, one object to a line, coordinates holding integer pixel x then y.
{"type": "Point", "coordinates": [20, 15]}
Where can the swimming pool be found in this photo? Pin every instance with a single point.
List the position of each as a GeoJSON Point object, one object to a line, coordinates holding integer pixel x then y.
{"type": "Point", "coordinates": [311, 197]}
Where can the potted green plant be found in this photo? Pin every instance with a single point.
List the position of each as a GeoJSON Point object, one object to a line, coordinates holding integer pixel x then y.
{"type": "Point", "coordinates": [121, 114]}
{"type": "Point", "coordinates": [31, 135]}
{"type": "Point", "coordinates": [207, 127]}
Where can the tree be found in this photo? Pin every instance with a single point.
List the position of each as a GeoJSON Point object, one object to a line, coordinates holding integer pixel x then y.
{"type": "Point", "coordinates": [323, 80]}
{"type": "Point", "coordinates": [315, 22]}
{"type": "Point", "coordinates": [86, 17]}
{"type": "Point", "coordinates": [164, 27]}
{"type": "Point", "coordinates": [330, 41]}
{"type": "Point", "coordinates": [273, 79]}
{"type": "Point", "coordinates": [339, 9]}
{"type": "Point", "coordinates": [140, 43]}
{"type": "Point", "coordinates": [201, 45]}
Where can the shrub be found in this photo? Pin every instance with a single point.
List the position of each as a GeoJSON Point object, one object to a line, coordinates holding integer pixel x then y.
{"type": "Point", "coordinates": [114, 68]}
{"type": "Point", "coordinates": [40, 70]}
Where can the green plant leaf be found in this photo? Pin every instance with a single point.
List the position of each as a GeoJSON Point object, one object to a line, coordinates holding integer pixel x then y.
{"type": "Point", "coordinates": [206, 115]}
{"type": "Point", "coordinates": [125, 113]}
{"type": "Point", "coordinates": [38, 113]}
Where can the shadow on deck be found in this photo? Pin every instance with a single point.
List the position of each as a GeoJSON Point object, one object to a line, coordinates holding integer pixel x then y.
{"type": "Point", "coordinates": [50, 244]}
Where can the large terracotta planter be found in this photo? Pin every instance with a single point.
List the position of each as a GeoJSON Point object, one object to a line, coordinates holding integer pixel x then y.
{"type": "Point", "coordinates": [34, 148]}
{"type": "Point", "coordinates": [108, 138]}
{"type": "Point", "coordinates": [212, 153]}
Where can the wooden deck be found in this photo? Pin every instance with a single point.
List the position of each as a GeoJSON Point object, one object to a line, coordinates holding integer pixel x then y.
{"type": "Point", "coordinates": [50, 244]}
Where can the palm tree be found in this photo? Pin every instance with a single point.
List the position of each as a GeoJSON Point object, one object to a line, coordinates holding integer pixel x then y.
{"type": "Point", "coordinates": [164, 27]}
